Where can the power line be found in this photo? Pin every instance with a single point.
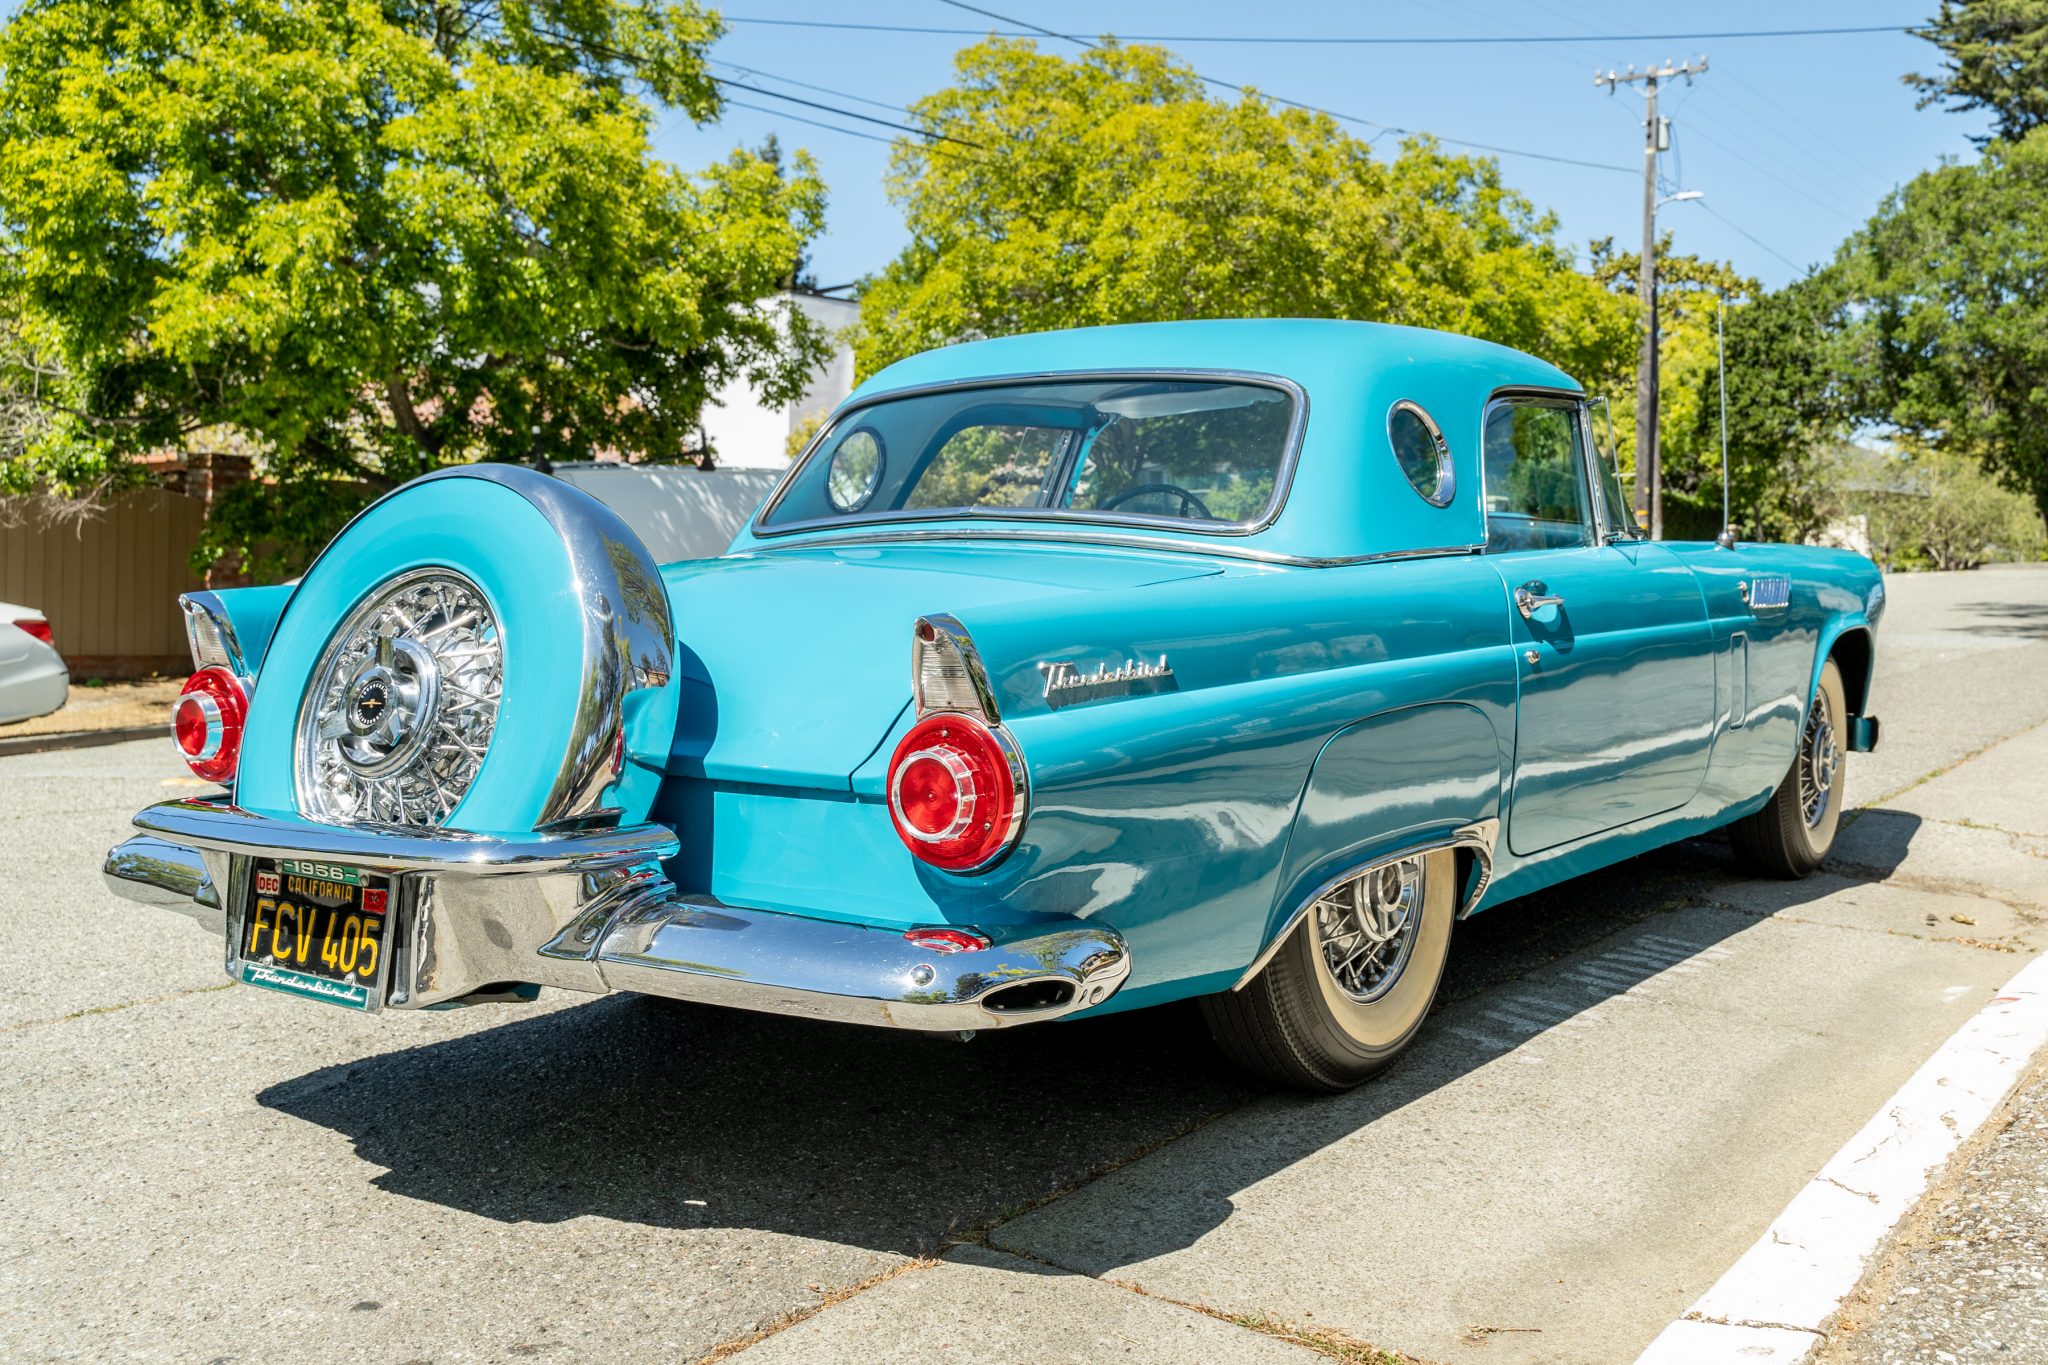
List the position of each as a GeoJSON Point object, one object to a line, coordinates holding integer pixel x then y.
{"type": "Point", "coordinates": [1221, 84]}
{"type": "Point", "coordinates": [1753, 238]}
{"type": "Point", "coordinates": [1816, 172]}
{"type": "Point", "coordinates": [1770, 174]}
{"type": "Point", "coordinates": [754, 71]}
{"type": "Point", "coordinates": [815, 123]}
{"type": "Point", "coordinates": [1026, 30]}
{"type": "Point", "coordinates": [1814, 132]}
{"type": "Point", "coordinates": [847, 113]}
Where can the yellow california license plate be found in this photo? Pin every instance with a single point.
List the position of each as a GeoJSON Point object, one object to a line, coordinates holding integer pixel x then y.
{"type": "Point", "coordinates": [315, 929]}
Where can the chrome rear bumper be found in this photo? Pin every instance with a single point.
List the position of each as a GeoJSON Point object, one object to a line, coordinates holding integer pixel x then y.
{"type": "Point", "coordinates": [594, 912]}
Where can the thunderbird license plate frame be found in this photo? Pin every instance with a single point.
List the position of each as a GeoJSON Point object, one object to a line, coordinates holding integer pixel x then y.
{"type": "Point", "coordinates": [313, 928]}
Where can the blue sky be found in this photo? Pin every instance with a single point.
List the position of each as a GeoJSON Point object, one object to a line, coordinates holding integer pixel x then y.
{"type": "Point", "coordinates": [1793, 140]}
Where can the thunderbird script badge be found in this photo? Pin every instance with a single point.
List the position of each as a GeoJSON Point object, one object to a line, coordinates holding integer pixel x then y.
{"type": "Point", "coordinates": [1066, 684]}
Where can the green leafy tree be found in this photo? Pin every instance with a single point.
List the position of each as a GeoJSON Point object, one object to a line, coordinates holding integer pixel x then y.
{"type": "Point", "coordinates": [1931, 508]}
{"type": "Point", "coordinates": [1950, 334]}
{"type": "Point", "coordinates": [1689, 289]}
{"type": "Point", "coordinates": [1787, 407]}
{"type": "Point", "coordinates": [376, 238]}
{"type": "Point", "coordinates": [1109, 188]}
{"type": "Point", "coordinates": [1995, 57]}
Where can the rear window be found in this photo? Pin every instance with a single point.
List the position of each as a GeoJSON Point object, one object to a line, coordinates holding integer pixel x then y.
{"type": "Point", "coordinates": [1207, 452]}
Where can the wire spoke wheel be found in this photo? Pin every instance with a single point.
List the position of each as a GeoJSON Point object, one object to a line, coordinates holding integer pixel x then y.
{"type": "Point", "coordinates": [1820, 759]}
{"type": "Point", "coordinates": [402, 705]}
{"type": "Point", "coordinates": [1366, 928]}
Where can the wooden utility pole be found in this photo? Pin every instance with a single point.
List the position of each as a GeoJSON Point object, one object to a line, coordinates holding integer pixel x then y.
{"type": "Point", "coordinates": [1656, 138]}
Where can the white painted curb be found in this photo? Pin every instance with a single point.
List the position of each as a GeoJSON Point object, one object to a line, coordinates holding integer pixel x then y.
{"type": "Point", "coordinates": [1771, 1304]}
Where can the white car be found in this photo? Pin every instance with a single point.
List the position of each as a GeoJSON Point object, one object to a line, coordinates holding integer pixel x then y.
{"type": "Point", "coordinates": [33, 679]}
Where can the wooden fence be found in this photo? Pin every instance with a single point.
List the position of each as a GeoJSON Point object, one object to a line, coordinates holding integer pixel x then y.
{"type": "Point", "coordinates": [110, 585]}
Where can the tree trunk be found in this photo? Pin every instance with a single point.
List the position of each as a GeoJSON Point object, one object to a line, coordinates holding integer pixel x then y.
{"type": "Point", "coordinates": [407, 417]}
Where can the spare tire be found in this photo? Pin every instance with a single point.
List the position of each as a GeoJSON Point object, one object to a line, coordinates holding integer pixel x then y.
{"type": "Point", "coordinates": [484, 649]}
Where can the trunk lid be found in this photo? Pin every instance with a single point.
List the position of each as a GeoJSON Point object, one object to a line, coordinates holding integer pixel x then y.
{"type": "Point", "coordinates": [795, 663]}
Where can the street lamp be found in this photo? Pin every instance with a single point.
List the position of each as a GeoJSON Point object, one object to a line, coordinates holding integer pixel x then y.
{"type": "Point", "coordinates": [1649, 462]}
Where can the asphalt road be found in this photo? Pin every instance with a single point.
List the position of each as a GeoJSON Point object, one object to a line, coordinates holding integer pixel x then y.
{"type": "Point", "coordinates": [1626, 1078]}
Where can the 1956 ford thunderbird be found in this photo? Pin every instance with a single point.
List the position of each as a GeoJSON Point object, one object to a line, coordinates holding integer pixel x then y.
{"type": "Point", "coordinates": [1061, 674]}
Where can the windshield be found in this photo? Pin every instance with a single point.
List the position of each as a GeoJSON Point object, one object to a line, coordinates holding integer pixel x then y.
{"type": "Point", "coordinates": [1204, 451]}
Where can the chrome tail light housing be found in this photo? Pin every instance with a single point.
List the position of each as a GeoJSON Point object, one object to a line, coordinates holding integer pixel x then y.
{"type": "Point", "coordinates": [957, 785]}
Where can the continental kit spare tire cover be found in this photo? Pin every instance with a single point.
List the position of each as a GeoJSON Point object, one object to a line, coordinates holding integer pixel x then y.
{"type": "Point", "coordinates": [485, 649]}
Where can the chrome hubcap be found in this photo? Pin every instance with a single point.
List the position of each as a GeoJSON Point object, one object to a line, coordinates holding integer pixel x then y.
{"type": "Point", "coordinates": [384, 703]}
{"type": "Point", "coordinates": [1367, 927]}
{"type": "Point", "coordinates": [402, 705]}
{"type": "Point", "coordinates": [1820, 761]}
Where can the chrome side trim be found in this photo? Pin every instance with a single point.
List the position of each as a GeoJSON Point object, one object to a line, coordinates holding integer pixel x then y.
{"type": "Point", "coordinates": [199, 823]}
{"type": "Point", "coordinates": [628, 632]}
{"type": "Point", "coordinates": [1222, 549]}
{"type": "Point", "coordinates": [1480, 837]}
{"type": "Point", "coordinates": [698, 948]}
{"type": "Point", "coordinates": [1283, 477]}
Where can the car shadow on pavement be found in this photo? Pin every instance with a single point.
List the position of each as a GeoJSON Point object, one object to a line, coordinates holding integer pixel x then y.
{"type": "Point", "coordinates": [658, 1113]}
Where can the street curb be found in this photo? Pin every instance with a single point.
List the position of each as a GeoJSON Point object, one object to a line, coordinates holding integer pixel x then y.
{"type": "Point", "coordinates": [78, 739]}
{"type": "Point", "coordinates": [1773, 1304]}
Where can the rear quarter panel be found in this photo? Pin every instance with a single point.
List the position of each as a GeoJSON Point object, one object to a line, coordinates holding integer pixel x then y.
{"type": "Point", "coordinates": [1173, 817]}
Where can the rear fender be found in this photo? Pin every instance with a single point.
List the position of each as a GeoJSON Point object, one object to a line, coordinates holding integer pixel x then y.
{"type": "Point", "coordinates": [1423, 776]}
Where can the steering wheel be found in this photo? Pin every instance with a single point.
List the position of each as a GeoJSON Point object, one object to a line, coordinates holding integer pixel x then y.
{"type": "Point", "coordinates": [1187, 500]}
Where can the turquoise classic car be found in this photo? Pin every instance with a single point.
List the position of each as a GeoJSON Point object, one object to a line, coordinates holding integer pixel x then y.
{"type": "Point", "coordinates": [1061, 674]}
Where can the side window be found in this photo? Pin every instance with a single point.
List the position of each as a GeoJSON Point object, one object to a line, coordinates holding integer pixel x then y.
{"type": "Point", "coordinates": [1535, 477]}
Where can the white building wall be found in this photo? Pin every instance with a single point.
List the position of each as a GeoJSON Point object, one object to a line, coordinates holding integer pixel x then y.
{"type": "Point", "coordinates": [747, 435]}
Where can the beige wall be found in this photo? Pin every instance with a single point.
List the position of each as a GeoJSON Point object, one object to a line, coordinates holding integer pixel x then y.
{"type": "Point", "coordinates": [110, 585]}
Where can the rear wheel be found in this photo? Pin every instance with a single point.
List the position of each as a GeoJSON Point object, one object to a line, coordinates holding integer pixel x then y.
{"type": "Point", "coordinates": [1790, 836]}
{"type": "Point", "coordinates": [1348, 990]}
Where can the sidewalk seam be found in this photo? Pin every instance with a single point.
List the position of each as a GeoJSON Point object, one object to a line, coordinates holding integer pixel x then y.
{"type": "Point", "coordinates": [725, 1350]}
{"type": "Point", "coordinates": [116, 1008]}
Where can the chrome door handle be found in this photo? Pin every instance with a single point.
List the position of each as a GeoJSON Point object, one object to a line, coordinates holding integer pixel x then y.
{"type": "Point", "coordinates": [1533, 597]}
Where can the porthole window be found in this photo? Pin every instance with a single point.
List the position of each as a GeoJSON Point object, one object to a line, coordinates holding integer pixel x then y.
{"type": "Point", "coordinates": [855, 470]}
{"type": "Point", "coordinates": [1420, 450]}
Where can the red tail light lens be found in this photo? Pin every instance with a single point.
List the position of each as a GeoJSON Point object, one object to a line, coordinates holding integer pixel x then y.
{"type": "Point", "coordinates": [954, 792]}
{"type": "Point", "coordinates": [207, 723]}
{"type": "Point", "coordinates": [38, 628]}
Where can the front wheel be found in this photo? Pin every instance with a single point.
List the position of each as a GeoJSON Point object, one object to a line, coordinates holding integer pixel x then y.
{"type": "Point", "coordinates": [1348, 990]}
{"type": "Point", "coordinates": [1790, 836]}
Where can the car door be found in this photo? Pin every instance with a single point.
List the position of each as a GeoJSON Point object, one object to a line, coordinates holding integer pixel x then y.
{"type": "Point", "coordinates": [1615, 714]}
